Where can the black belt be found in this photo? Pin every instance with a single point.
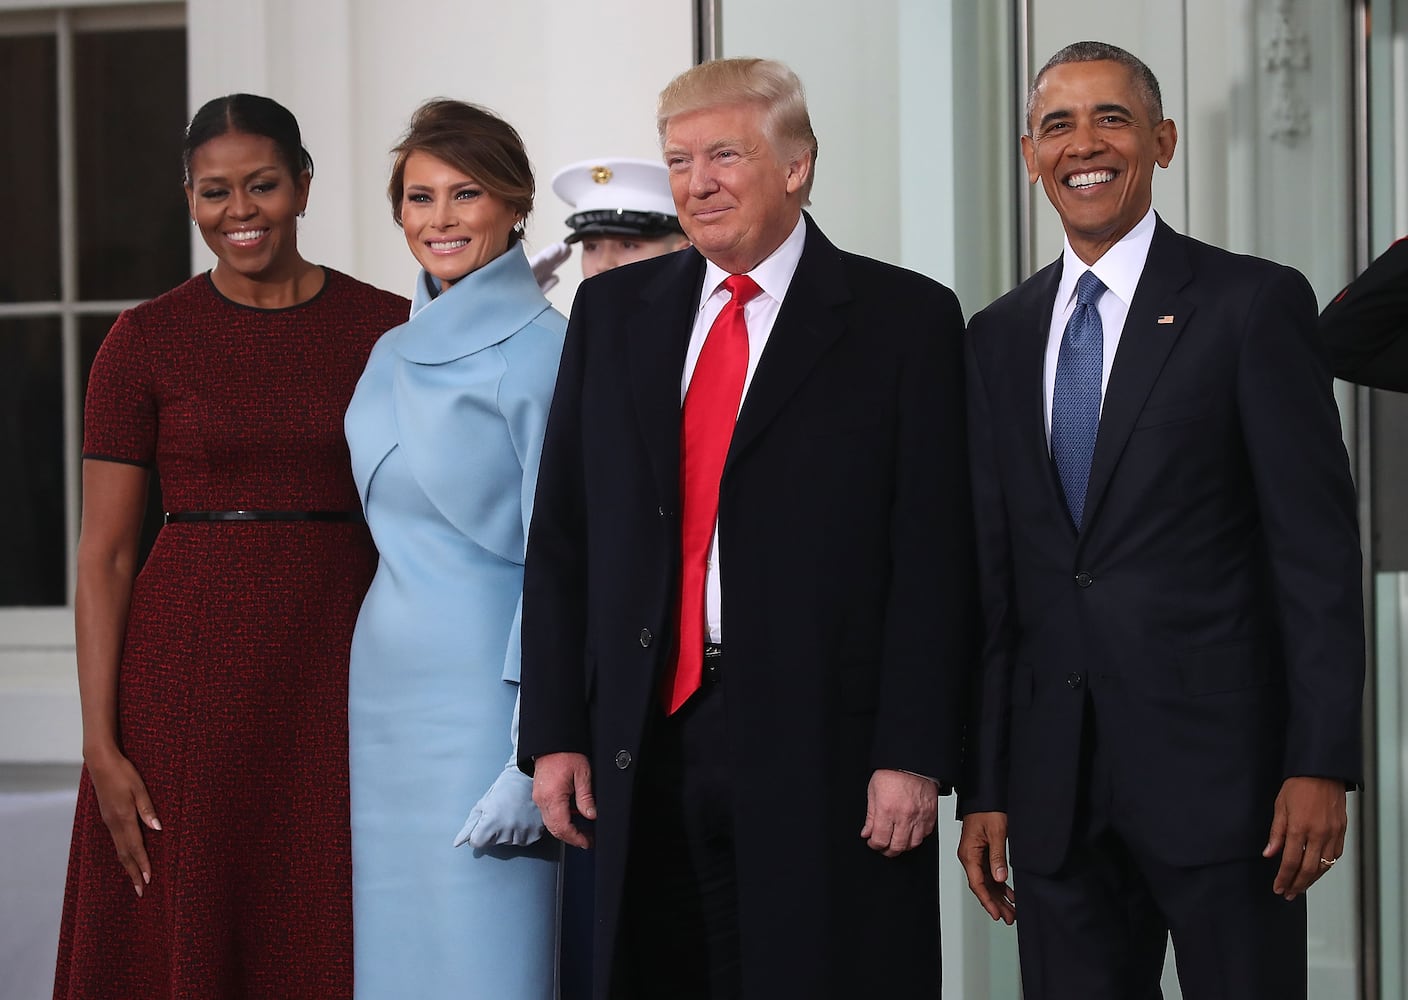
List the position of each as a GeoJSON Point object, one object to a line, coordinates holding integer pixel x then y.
{"type": "Point", "coordinates": [713, 671]}
{"type": "Point", "coordinates": [352, 516]}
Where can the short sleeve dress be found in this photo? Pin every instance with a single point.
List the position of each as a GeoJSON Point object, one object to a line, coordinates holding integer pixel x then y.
{"type": "Point", "coordinates": [232, 687]}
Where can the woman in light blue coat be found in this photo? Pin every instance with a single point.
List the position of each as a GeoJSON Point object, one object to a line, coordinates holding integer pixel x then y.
{"type": "Point", "coordinates": [445, 430]}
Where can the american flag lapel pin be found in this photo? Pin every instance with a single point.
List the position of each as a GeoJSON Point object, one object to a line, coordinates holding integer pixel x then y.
{"type": "Point", "coordinates": [1165, 320]}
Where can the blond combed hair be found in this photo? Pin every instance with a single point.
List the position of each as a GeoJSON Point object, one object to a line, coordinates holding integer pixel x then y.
{"type": "Point", "coordinates": [765, 83]}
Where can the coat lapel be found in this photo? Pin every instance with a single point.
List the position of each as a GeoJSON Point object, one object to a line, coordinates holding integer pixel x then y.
{"type": "Point", "coordinates": [1029, 375]}
{"type": "Point", "coordinates": [657, 337]}
{"type": "Point", "coordinates": [1145, 344]}
{"type": "Point", "coordinates": [808, 323]}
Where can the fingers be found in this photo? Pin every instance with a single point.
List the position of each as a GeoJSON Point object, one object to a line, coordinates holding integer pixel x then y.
{"type": "Point", "coordinates": [585, 800]}
{"type": "Point", "coordinates": [982, 852]}
{"type": "Point", "coordinates": [145, 809]}
{"type": "Point", "coordinates": [997, 861]}
{"type": "Point", "coordinates": [131, 851]}
{"type": "Point", "coordinates": [557, 816]}
{"type": "Point", "coordinates": [561, 780]}
{"type": "Point", "coordinates": [901, 811]}
{"type": "Point", "coordinates": [1307, 827]}
{"type": "Point", "coordinates": [125, 807]}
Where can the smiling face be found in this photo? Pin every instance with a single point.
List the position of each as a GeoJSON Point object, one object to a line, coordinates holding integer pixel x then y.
{"type": "Point", "coordinates": [737, 197]}
{"type": "Point", "coordinates": [602, 252]}
{"type": "Point", "coordinates": [246, 203]}
{"type": "Point", "coordinates": [1093, 145]}
{"type": "Point", "coordinates": [453, 226]}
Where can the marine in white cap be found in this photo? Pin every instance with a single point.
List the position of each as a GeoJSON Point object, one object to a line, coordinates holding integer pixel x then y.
{"type": "Point", "coordinates": [623, 213]}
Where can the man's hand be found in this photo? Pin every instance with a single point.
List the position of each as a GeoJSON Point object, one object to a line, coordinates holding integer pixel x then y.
{"type": "Point", "coordinates": [900, 811]}
{"type": "Point", "coordinates": [561, 781]}
{"type": "Point", "coordinates": [1307, 828]}
{"type": "Point", "coordinates": [982, 848]}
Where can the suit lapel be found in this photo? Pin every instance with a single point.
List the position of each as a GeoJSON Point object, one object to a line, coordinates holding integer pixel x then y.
{"type": "Point", "coordinates": [808, 323]}
{"type": "Point", "coordinates": [1029, 374]}
{"type": "Point", "coordinates": [657, 337]}
{"type": "Point", "coordinates": [1144, 346]}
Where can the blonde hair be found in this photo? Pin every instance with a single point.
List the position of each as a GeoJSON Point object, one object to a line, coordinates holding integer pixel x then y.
{"type": "Point", "coordinates": [765, 83]}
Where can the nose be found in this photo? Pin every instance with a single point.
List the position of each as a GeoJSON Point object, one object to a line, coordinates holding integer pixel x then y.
{"type": "Point", "coordinates": [442, 216]}
{"type": "Point", "coordinates": [701, 178]}
{"type": "Point", "coordinates": [1086, 139]}
{"type": "Point", "coordinates": [241, 205]}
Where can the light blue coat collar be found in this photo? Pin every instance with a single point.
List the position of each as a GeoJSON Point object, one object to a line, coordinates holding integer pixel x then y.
{"type": "Point", "coordinates": [482, 309]}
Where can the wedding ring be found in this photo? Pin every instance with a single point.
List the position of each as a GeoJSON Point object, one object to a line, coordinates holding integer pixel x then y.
{"type": "Point", "coordinates": [1328, 862]}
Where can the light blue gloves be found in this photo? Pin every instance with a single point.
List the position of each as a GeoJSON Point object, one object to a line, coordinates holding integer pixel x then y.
{"type": "Point", "coordinates": [505, 815]}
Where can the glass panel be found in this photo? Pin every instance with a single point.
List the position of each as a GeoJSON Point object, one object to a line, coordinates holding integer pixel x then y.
{"type": "Point", "coordinates": [29, 170]}
{"type": "Point", "coordinates": [91, 331]}
{"type": "Point", "coordinates": [1387, 527]}
{"type": "Point", "coordinates": [130, 109]}
{"type": "Point", "coordinates": [32, 552]}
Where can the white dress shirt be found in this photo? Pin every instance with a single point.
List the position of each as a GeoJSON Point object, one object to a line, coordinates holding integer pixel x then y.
{"type": "Point", "coordinates": [773, 276]}
{"type": "Point", "coordinates": [1119, 269]}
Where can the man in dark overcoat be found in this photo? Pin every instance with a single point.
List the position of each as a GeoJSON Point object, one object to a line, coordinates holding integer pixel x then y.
{"type": "Point", "coordinates": [749, 585]}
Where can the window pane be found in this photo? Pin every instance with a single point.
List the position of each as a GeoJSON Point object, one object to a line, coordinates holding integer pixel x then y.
{"type": "Point", "coordinates": [32, 552]}
{"type": "Point", "coordinates": [91, 331]}
{"type": "Point", "coordinates": [130, 110]}
{"type": "Point", "coordinates": [29, 168]}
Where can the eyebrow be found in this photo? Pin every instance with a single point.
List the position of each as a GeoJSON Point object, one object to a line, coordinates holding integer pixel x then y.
{"type": "Point", "coordinates": [221, 179]}
{"type": "Point", "coordinates": [712, 147]}
{"type": "Point", "coordinates": [1063, 114]}
{"type": "Point", "coordinates": [457, 186]}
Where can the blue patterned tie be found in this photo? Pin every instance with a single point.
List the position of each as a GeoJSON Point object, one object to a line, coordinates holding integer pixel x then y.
{"type": "Point", "coordinates": [1075, 400]}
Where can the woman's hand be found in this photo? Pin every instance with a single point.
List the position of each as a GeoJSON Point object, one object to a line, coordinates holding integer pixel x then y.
{"type": "Point", "coordinates": [126, 808]}
{"type": "Point", "coordinates": [505, 816]}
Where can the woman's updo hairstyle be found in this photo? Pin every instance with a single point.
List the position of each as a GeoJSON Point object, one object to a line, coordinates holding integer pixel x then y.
{"type": "Point", "coordinates": [252, 115]}
{"type": "Point", "coordinates": [477, 143]}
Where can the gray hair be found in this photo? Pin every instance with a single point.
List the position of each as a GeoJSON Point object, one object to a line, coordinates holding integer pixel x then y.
{"type": "Point", "coordinates": [1079, 52]}
{"type": "Point", "coordinates": [766, 83]}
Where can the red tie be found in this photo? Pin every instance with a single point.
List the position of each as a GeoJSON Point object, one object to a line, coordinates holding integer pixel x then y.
{"type": "Point", "coordinates": [710, 409]}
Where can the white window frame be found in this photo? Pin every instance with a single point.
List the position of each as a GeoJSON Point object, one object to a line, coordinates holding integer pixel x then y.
{"type": "Point", "coordinates": [39, 717]}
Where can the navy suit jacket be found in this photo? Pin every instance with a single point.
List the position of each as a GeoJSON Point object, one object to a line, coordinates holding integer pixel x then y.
{"type": "Point", "coordinates": [1214, 588]}
{"type": "Point", "coordinates": [848, 594]}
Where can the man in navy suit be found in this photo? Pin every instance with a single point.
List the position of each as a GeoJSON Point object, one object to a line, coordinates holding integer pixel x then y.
{"type": "Point", "coordinates": [757, 706]}
{"type": "Point", "coordinates": [1168, 714]}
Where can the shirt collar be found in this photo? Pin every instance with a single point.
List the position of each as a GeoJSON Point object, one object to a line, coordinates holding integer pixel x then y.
{"type": "Point", "coordinates": [1118, 268]}
{"type": "Point", "coordinates": [773, 275]}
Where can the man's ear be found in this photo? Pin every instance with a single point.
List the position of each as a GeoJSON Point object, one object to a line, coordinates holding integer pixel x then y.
{"type": "Point", "coordinates": [1166, 140]}
{"type": "Point", "coordinates": [1029, 154]}
{"type": "Point", "coordinates": [799, 168]}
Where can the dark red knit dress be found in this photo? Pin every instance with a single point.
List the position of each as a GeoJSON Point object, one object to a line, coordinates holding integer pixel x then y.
{"type": "Point", "coordinates": [232, 688]}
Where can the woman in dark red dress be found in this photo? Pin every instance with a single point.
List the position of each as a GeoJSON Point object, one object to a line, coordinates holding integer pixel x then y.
{"type": "Point", "coordinates": [210, 849]}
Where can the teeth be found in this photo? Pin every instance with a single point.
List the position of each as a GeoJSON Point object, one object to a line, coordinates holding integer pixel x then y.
{"type": "Point", "coordinates": [448, 244]}
{"type": "Point", "coordinates": [246, 235]}
{"type": "Point", "coordinates": [1090, 178]}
